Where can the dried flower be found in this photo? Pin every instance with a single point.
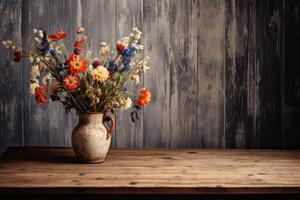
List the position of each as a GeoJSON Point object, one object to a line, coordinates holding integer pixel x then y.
{"type": "Point", "coordinates": [41, 95]}
{"type": "Point", "coordinates": [17, 56]}
{"type": "Point", "coordinates": [144, 98]}
{"type": "Point", "coordinates": [35, 71]}
{"type": "Point", "coordinates": [78, 50]}
{"type": "Point", "coordinates": [96, 63]}
{"type": "Point", "coordinates": [80, 30]}
{"type": "Point", "coordinates": [120, 46]}
{"type": "Point", "coordinates": [104, 49]}
{"type": "Point", "coordinates": [128, 103]}
{"type": "Point", "coordinates": [76, 64]}
{"type": "Point", "coordinates": [57, 36]}
{"type": "Point", "coordinates": [100, 74]}
{"type": "Point", "coordinates": [81, 42]}
{"type": "Point", "coordinates": [71, 82]}
{"type": "Point", "coordinates": [33, 87]}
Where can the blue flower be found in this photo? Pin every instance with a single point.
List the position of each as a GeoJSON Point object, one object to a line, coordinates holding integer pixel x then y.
{"type": "Point", "coordinates": [113, 68]}
{"type": "Point", "coordinates": [53, 52]}
{"type": "Point", "coordinates": [126, 63]}
{"type": "Point", "coordinates": [128, 52]}
{"type": "Point", "coordinates": [44, 46]}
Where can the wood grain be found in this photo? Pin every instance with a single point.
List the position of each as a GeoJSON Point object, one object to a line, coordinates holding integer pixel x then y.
{"type": "Point", "coordinates": [11, 77]}
{"type": "Point", "coordinates": [129, 14]}
{"type": "Point", "coordinates": [35, 14]}
{"type": "Point", "coordinates": [241, 85]}
{"type": "Point", "coordinates": [144, 171]}
{"type": "Point", "coordinates": [210, 59]}
{"type": "Point", "coordinates": [269, 58]}
{"type": "Point", "coordinates": [291, 75]}
{"type": "Point", "coordinates": [224, 74]}
{"type": "Point", "coordinates": [156, 27]}
{"type": "Point", "coordinates": [183, 74]}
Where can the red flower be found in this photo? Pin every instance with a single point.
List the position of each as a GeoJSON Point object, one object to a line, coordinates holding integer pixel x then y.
{"type": "Point", "coordinates": [120, 47]}
{"type": "Point", "coordinates": [144, 97]}
{"type": "Point", "coordinates": [76, 64]}
{"type": "Point", "coordinates": [80, 42]}
{"type": "Point", "coordinates": [41, 95]}
{"type": "Point", "coordinates": [71, 82]}
{"type": "Point", "coordinates": [17, 56]}
{"type": "Point", "coordinates": [96, 63]}
{"type": "Point", "coordinates": [57, 36]}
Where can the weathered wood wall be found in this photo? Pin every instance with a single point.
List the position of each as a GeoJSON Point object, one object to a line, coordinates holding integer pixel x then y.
{"type": "Point", "coordinates": [225, 73]}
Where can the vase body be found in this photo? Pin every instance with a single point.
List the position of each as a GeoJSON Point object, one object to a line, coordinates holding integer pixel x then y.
{"type": "Point", "coordinates": [91, 137]}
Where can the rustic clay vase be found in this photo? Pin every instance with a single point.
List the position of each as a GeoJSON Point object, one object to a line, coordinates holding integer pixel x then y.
{"type": "Point", "coordinates": [91, 137]}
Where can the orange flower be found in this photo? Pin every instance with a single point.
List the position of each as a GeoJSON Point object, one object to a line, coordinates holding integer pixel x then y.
{"type": "Point", "coordinates": [120, 47]}
{"type": "Point", "coordinates": [71, 82]}
{"type": "Point", "coordinates": [57, 36]}
{"type": "Point", "coordinates": [41, 94]}
{"type": "Point", "coordinates": [144, 98]}
{"type": "Point", "coordinates": [80, 42]}
{"type": "Point", "coordinates": [76, 64]}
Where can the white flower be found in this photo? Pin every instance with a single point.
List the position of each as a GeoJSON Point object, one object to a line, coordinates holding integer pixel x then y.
{"type": "Point", "coordinates": [47, 78]}
{"type": "Point", "coordinates": [136, 31]}
{"type": "Point", "coordinates": [41, 34]}
{"type": "Point", "coordinates": [4, 43]}
{"type": "Point", "coordinates": [145, 64]}
{"type": "Point", "coordinates": [31, 57]}
{"type": "Point", "coordinates": [136, 78]}
{"type": "Point", "coordinates": [9, 42]}
{"type": "Point", "coordinates": [37, 59]}
{"type": "Point", "coordinates": [35, 31]}
{"type": "Point", "coordinates": [104, 50]}
{"type": "Point", "coordinates": [33, 87]}
{"type": "Point", "coordinates": [128, 103]}
{"type": "Point", "coordinates": [35, 71]}
{"type": "Point", "coordinates": [37, 40]}
{"type": "Point", "coordinates": [103, 44]}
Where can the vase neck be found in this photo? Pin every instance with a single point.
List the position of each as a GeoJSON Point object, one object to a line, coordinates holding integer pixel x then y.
{"type": "Point", "coordinates": [90, 117]}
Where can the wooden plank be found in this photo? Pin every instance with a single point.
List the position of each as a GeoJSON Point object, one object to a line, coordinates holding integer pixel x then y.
{"type": "Point", "coordinates": [152, 171]}
{"type": "Point", "coordinates": [210, 97]}
{"type": "Point", "coordinates": [156, 28]}
{"type": "Point", "coordinates": [183, 74]}
{"type": "Point", "coordinates": [98, 18]}
{"type": "Point", "coordinates": [35, 117]}
{"type": "Point", "coordinates": [269, 59]}
{"type": "Point", "coordinates": [291, 75]}
{"type": "Point", "coordinates": [11, 77]}
{"type": "Point", "coordinates": [129, 14]}
{"type": "Point", "coordinates": [61, 17]}
{"type": "Point", "coordinates": [241, 87]}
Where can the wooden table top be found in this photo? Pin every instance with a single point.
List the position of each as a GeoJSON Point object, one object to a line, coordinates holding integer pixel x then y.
{"type": "Point", "coordinates": [152, 171]}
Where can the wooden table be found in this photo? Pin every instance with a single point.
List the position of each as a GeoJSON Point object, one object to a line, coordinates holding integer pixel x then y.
{"type": "Point", "coordinates": [151, 171]}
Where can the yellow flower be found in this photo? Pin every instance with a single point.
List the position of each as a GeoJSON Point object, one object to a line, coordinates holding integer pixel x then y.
{"type": "Point", "coordinates": [35, 71]}
{"type": "Point", "coordinates": [100, 74]}
{"type": "Point", "coordinates": [33, 87]}
{"type": "Point", "coordinates": [104, 49]}
{"type": "Point", "coordinates": [128, 103]}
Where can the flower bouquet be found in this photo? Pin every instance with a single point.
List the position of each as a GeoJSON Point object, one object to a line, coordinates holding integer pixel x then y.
{"type": "Point", "coordinates": [90, 83]}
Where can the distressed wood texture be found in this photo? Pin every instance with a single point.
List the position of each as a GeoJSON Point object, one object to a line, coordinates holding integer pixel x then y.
{"type": "Point", "coordinates": [128, 14]}
{"type": "Point", "coordinates": [291, 75]}
{"type": "Point", "coordinates": [224, 73]}
{"type": "Point", "coordinates": [145, 171]}
{"type": "Point", "coordinates": [210, 70]}
{"type": "Point", "coordinates": [11, 123]}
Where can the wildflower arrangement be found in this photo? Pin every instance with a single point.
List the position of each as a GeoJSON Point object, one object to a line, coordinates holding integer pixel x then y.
{"type": "Point", "coordinates": [85, 81]}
